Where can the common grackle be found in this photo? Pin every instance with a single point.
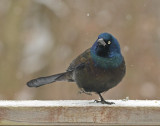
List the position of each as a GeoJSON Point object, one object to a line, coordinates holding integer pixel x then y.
{"type": "Point", "coordinates": [98, 69]}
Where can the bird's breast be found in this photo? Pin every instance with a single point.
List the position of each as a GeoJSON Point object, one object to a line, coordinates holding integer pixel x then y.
{"type": "Point", "coordinates": [98, 79]}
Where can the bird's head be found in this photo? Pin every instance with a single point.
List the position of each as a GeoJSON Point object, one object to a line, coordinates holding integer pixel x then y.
{"type": "Point", "coordinates": [106, 46]}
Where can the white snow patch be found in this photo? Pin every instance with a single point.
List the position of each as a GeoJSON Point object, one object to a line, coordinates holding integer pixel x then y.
{"type": "Point", "coordinates": [88, 14]}
{"type": "Point", "coordinates": [76, 103]}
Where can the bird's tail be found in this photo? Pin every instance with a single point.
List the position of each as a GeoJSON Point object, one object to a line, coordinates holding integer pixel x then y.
{"type": "Point", "coordinates": [49, 79]}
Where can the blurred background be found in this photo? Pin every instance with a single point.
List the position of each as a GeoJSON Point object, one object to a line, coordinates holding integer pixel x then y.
{"type": "Point", "coordinates": [42, 37]}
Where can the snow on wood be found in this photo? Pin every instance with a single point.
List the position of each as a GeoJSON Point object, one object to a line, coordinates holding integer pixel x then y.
{"type": "Point", "coordinates": [118, 103]}
{"type": "Point", "coordinates": [80, 112]}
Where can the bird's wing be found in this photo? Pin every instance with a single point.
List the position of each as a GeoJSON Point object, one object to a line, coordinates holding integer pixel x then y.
{"type": "Point", "coordinates": [80, 61]}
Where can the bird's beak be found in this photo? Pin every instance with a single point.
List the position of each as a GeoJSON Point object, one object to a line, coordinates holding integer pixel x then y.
{"type": "Point", "coordinates": [101, 41]}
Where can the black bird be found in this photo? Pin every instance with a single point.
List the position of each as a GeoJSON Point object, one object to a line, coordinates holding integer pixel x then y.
{"type": "Point", "coordinates": [98, 69]}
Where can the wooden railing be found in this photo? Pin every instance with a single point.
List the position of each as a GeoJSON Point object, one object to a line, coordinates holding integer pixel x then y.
{"type": "Point", "coordinates": [80, 112]}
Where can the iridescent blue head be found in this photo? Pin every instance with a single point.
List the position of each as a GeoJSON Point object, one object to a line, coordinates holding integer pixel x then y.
{"type": "Point", "coordinates": [106, 45]}
{"type": "Point", "coordinates": [106, 49]}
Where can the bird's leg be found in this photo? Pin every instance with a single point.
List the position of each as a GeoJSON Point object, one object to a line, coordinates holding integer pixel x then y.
{"type": "Point", "coordinates": [103, 101]}
{"type": "Point", "coordinates": [82, 91]}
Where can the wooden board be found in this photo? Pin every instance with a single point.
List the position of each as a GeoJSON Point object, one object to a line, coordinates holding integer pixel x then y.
{"type": "Point", "coordinates": [80, 112]}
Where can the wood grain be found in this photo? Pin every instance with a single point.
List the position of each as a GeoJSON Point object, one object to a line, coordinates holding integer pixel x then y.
{"type": "Point", "coordinates": [78, 112]}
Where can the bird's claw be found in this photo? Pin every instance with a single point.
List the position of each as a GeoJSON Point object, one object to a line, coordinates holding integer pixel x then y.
{"type": "Point", "coordinates": [104, 102]}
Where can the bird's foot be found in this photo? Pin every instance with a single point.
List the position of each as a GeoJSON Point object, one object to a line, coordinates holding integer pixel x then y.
{"type": "Point", "coordinates": [82, 91]}
{"type": "Point", "coordinates": [104, 102]}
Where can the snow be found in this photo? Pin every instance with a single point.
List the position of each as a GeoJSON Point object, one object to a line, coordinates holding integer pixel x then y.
{"type": "Point", "coordinates": [88, 14]}
{"type": "Point", "coordinates": [78, 103]}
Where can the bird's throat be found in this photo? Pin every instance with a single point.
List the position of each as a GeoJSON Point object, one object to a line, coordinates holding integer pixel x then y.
{"type": "Point", "coordinates": [105, 61]}
{"type": "Point", "coordinates": [102, 51]}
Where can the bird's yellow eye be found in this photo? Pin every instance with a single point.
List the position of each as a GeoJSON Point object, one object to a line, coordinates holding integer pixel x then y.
{"type": "Point", "coordinates": [109, 42]}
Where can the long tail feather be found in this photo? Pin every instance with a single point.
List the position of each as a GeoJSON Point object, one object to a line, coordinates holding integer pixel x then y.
{"type": "Point", "coordinates": [47, 80]}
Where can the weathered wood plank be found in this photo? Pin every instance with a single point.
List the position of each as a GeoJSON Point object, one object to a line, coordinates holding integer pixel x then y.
{"type": "Point", "coordinates": [78, 112]}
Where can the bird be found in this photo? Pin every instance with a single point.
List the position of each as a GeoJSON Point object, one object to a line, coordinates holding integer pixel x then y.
{"type": "Point", "coordinates": [97, 69]}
